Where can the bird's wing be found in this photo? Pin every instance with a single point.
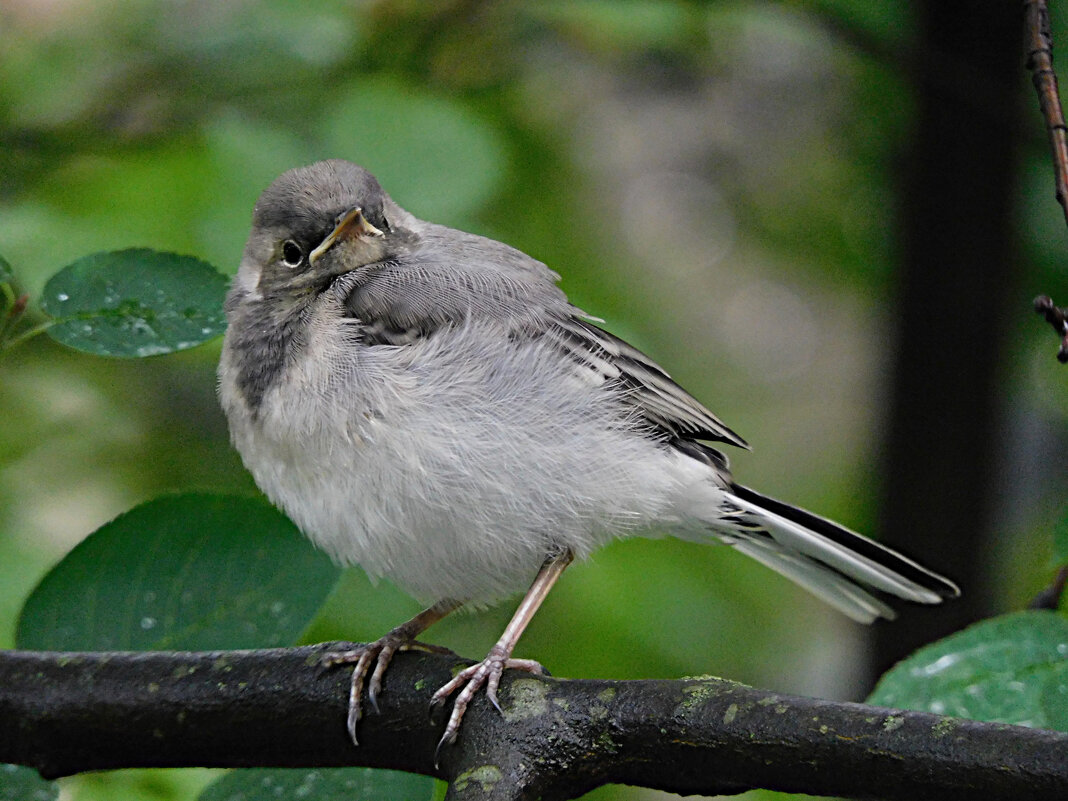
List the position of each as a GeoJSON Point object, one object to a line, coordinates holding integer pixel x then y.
{"type": "Point", "coordinates": [401, 302]}
{"type": "Point", "coordinates": [646, 386]}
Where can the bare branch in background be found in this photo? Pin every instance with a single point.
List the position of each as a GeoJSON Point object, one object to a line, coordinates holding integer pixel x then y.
{"type": "Point", "coordinates": [1040, 63]}
{"type": "Point", "coordinates": [1058, 318]}
{"type": "Point", "coordinates": [1050, 597]}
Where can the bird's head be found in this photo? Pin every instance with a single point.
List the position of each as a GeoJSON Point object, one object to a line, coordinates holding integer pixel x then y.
{"type": "Point", "coordinates": [315, 223]}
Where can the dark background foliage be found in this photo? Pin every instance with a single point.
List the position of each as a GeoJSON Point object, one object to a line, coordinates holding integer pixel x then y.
{"type": "Point", "coordinates": [825, 219]}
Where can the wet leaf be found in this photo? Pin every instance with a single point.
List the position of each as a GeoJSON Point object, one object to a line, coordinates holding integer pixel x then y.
{"type": "Point", "coordinates": [135, 303]}
{"type": "Point", "coordinates": [1009, 669]}
{"type": "Point", "coordinates": [185, 572]}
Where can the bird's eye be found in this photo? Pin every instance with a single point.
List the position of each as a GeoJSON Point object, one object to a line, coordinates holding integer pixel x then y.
{"type": "Point", "coordinates": [292, 253]}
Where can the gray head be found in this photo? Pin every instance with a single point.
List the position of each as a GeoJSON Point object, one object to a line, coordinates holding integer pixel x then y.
{"type": "Point", "coordinates": [313, 223]}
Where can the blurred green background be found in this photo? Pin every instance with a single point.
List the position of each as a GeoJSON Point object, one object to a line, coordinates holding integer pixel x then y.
{"type": "Point", "coordinates": [721, 182]}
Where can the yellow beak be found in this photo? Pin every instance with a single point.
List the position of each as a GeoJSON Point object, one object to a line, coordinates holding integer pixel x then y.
{"type": "Point", "coordinates": [352, 223]}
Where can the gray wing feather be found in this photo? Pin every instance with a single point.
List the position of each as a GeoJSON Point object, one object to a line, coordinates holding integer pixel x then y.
{"type": "Point", "coordinates": [449, 277]}
{"type": "Point", "coordinates": [399, 302]}
{"type": "Point", "coordinates": [455, 278]}
{"type": "Point", "coordinates": [646, 385]}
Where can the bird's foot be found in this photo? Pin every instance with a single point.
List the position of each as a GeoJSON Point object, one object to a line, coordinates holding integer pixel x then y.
{"type": "Point", "coordinates": [486, 673]}
{"type": "Point", "coordinates": [380, 653]}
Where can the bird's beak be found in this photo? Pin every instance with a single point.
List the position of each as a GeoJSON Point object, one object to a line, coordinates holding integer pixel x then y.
{"type": "Point", "coordinates": [351, 223]}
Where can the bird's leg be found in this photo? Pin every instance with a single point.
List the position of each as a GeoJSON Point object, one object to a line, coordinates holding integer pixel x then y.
{"type": "Point", "coordinates": [488, 672]}
{"type": "Point", "coordinates": [381, 652]}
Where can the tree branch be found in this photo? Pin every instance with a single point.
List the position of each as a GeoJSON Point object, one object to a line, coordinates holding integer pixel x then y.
{"type": "Point", "coordinates": [1058, 318]}
{"type": "Point", "coordinates": [1040, 63]}
{"type": "Point", "coordinates": [66, 713]}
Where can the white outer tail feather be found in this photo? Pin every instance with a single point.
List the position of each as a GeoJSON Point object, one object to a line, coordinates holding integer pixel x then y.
{"type": "Point", "coordinates": [838, 591]}
{"type": "Point", "coordinates": [829, 570]}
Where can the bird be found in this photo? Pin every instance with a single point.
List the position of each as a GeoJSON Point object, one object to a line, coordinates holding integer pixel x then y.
{"type": "Point", "coordinates": [426, 403]}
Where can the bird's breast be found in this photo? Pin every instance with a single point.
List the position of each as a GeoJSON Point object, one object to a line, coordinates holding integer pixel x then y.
{"type": "Point", "coordinates": [452, 465]}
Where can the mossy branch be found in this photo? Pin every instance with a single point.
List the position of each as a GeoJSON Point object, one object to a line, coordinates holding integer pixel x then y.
{"type": "Point", "coordinates": [67, 713]}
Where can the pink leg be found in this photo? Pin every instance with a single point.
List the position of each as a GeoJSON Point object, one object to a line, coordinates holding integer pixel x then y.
{"type": "Point", "coordinates": [381, 652]}
{"type": "Point", "coordinates": [488, 672]}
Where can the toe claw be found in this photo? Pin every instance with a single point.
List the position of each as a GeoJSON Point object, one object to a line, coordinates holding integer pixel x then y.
{"type": "Point", "coordinates": [438, 699]}
{"type": "Point", "coordinates": [374, 687]}
{"type": "Point", "coordinates": [350, 724]}
{"type": "Point", "coordinates": [379, 653]}
{"type": "Point", "coordinates": [493, 681]}
{"type": "Point", "coordinates": [469, 681]}
{"type": "Point", "coordinates": [437, 751]}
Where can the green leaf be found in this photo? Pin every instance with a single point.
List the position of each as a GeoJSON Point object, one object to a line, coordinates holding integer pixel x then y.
{"type": "Point", "coordinates": [25, 784]}
{"type": "Point", "coordinates": [1060, 539]}
{"type": "Point", "coordinates": [327, 784]}
{"type": "Point", "coordinates": [414, 141]}
{"type": "Point", "coordinates": [134, 303]}
{"type": "Point", "coordinates": [184, 572]}
{"type": "Point", "coordinates": [1054, 697]}
{"type": "Point", "coordinates": [1009, 669]}
{"type": "Point", "coordinates": [7, 275]}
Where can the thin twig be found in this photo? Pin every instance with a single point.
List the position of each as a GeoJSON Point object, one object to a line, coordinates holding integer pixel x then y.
{"type": "Point", "coordinates": [12, 317]}
{"type": "Point", "coordinates": [1050, 597]}
{"type": "Point", "coordinates": [10, 298]}
{"type": "Point", "coordinates": [1040, 63]}
{"type": "Point", "coordinates": [1058, 318]}
{"type": "Point", "coordinates": [29, 333]}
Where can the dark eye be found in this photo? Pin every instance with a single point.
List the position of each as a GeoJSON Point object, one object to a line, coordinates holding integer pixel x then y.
{"type": "Point", "coordinates": [292, 253]}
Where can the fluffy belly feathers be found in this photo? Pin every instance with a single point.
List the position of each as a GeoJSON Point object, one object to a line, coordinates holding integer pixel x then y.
{"type": "Point", "coordinates": [462, 497]}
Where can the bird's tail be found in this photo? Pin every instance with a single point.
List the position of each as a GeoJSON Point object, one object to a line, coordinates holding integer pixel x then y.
{"type": "Point", "coordinates": [843, 568]}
